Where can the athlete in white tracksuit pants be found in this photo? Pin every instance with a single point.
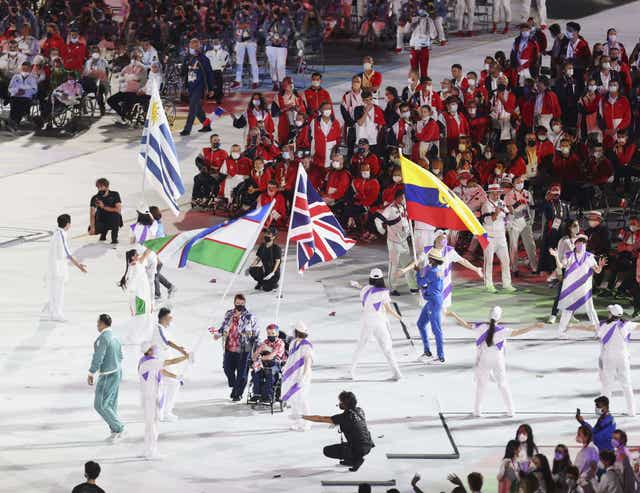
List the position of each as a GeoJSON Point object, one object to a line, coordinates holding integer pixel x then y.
{"type": "Point", "coordinates": [536, 9]}
{"type": "Point", "coordinates": [151, 371]}
{"type": "Point", "coordinates": [491, 339]}
{"type": "Point", "coordinates": [502, 12]}
{"type": "Point", "coordinates": [163, 339]}
{"type": "Point", "coordinates": [494, 218]}
{"type": "Point", "coordinates": [296, 378]}
{"type": "Point", "coordinates": [613, 363]}
{"type": "Point", "coordinates": [395, 222]}
{"type": "Point", "coordinates": [58, 270]}
{"type": "Point", "coordinates": [467, 7]}
{"type": "Point", "coordinates": [374, 322]}
{"type": "Point", "coordinates": [519, 224]}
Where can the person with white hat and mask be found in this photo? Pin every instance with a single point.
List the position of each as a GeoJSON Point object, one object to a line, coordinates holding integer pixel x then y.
{"type": "Point", "coordinates": [494, 214]}
{"type": "Point", "coordinates": [575, 293]}
{"type": "Point", "coordinates": [491, 339]}
{"type": "Point", "coordinates": [152, 371]}
{"type": "Point", "coordinates": [613, 363]}
{"type": "Point", "coordinates": [296, 377]}
{"type": "Point", "coordinates": [376, 304]}
{"type": "Point", "coordinates": [520, 222]}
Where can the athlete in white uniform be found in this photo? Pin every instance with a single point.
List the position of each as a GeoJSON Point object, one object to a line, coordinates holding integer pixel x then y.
{"type": "Point", "coordinates": [296, 377]}
{"type": "Point", "coordinates": [376, 303]}
{"type": "Point", "coordinates": [613, 363]}
{"type": "Point", "coordinates": [151, 371]}
{"type": "Point", "coordinates": [136, 285]}
{"type": "Point", "coordinates": [491, 340]}
{"type": "Point", "coordinates": [163, 339]}
{"type": "Point", "coordinates": [494, 214]}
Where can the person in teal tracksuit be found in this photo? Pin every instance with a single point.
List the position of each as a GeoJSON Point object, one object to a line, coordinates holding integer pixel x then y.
{"type": "Point", "coordinates": [106, 362]}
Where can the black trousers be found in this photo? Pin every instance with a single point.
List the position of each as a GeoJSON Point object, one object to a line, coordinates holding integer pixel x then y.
{"type": "Point", "coordinates": [121, 102]}
{"type": "Point", "coordinates": [95, 86]}
{"type": "Point", "coordinates": [343, 451]}
{"type": "Point", "coordinates": [104, 228]}
{"type": "Point", "coordinates": [217, 86]}
{"type": "Point", "coordinates": [258, 274]}
{"type": "Point", "coordinates": [20, 108]}
{"type": "Point", "coordinates": [160, 279]}
{"type": "Point", "coordinates": [195, 110]}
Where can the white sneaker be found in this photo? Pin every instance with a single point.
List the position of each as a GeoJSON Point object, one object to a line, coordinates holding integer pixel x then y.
{"type": "Point", "coordinates": [396, 376]}
{"type": "Point", "coordinates": [551, 319]}
{"type": "Point", "coordinates": [116, 436]}
{"type": "Point", "coordinates": [155, 456]}
{"type": "Point", "coordinates": [476, 414]}
{"type": "Point", "coordinates": [424, 358]}
{"type": "Point", "coordinates": [563, 335]}
{"type": "Point", "coordinates": [169, 418]}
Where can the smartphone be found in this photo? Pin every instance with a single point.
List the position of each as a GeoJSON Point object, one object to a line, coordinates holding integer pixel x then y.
{"type": "Point", "coordinates": [577, 412]}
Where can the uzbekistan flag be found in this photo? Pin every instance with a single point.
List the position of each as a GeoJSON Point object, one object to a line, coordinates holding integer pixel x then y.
{"type": "Point", "coordinates": [430, 201]}
{"type": "Point", "coordinates": [224, 246]}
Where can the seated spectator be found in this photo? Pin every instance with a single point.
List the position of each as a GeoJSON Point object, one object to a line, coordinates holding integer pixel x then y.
{"type": "Point", "coordinates": [91, 473]}
{"type": "Point", "coordinates": [265, 269]}
{"type": "Point", "coordinates": [94, 77]}
{"type": "Point", "coordinates": [131, 80]}
{"type": "Point", "coordinates": [235, 169]}
{"type": "Point", "coordinates": [10, 65]}
{"type": "Point", "coordinates": [213, 156]}
{"type": "Point", "coordinates": [267, 360]}
{"type": "Point", "coordinates": [23, 88]}
{"type": "Point", "coordinates": [363, 155]}
{"type": "Point", "coordinates": [338, 182]}
{"type": "Point", "coordinates": [278, 217]}
{"type": "Point", "coordinates": [53, 42]}
{"type": "Point", "coordinates": [362, 200]}
{"type": "Point", "coordinates": [204, 189]}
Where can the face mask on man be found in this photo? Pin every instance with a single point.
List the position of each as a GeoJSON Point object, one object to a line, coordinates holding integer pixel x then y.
{"type": "Point", "coordinates": [542, 138]}
{"type": "Point", "coordinates": [240, 307]}
{"type": "Point", "coordinates": [74, 39]}
{"type": "Point", "coordinates": [299, 123]}
{"type": "Point", "coordinates": [592, 88]}
{"type": "Point", "coordinates": [271, 338]}
{"type": "Point", "coordinates": [365, 174]}
{"type": "Point", "coordinates": [192, 51]}
{"type": "Point", "coordinates": [613, 89]}
{"type": "Point", "coordinates": [472, 82]}
{"type": "Point", "coordinates": [235, 155]}
{"type": "Point", "coordinates": [453, 108]}
{"type": "Point", "coordinates": [95, 56]}
{"type": "Point", "coordinates": [315, 83]}
{"type": "Point", "coordinates": [396, 178]}
{"type": "Point", "coordinates": [556, 129]}
{"type": "Point", "coordinates": [597, 154]}
{"type": "Point", "coordinates": [519, 186]}
{"type": "Point", "coordinates": [569, 72]}
{"type": "Point", "coordinates": [405, 114]}
{"type": "Point", "coordinates": [606, 65]}
{"type": "Point", "coordinates": [286, 155]}
{"type": "Point", "coordinates": [326, 113]}
{"type": "Point", "coordinates": [336, 164]}
{"type": "Point", "coordinates": [366, 66]}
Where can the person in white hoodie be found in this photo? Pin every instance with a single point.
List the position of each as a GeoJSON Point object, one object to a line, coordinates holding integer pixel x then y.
{"type": "Point", "coordinates": [219, 60]}
{"type": "Point", "coordinates": [58, 269]}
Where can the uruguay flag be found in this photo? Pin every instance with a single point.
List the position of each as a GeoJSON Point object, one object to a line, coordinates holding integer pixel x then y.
{"type": "Point", "coordinates": [158, 156]}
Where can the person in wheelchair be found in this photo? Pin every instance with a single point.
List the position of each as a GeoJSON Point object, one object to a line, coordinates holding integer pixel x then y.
{"type": "Point", "coordinates": [132, 79]}
{"type": "Point", "coordinates": [66, 96]}
{"type": "Point", "coordinates": [23, 87]}
{"type": "Point", "coordinates": [94, 77]}
{"type": "Point", "coordinates": [267, 360]}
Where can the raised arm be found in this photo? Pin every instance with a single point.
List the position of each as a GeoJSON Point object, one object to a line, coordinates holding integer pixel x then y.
{"type": "Point", "coordinates": [465, 263]}
{"type": "Point", "coordinates": [318, 419]}
{"type": "Point", "coordinates": [554, 253]}
{"type": "Point", "coordinates": [461, 320]}
{"type": "Point", "coordinates": [524, 330]}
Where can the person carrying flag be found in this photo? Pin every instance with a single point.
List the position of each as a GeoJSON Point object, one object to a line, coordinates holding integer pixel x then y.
{"type": "Point", "coordinates": [494, 213]}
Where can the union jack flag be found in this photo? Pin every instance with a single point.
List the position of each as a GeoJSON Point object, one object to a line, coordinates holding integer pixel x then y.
{"type": "Point", "coordinates": [315, 230]}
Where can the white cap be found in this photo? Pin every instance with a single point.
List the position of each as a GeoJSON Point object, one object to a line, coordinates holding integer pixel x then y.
{"type": "Point", "coordinates": [376, 274]}
{"type": "Point", "coordinates": [496, 313]}
{"type": "Point", "coordinates": [439, 232]}
{"type": "Point", "coordinates": [615, 310]}
{"type": "Point", "coordinates": [300, 326]}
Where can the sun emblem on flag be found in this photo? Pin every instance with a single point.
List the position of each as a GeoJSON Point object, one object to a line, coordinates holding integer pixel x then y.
{"type": "Point", "coordinates": [155, 112]}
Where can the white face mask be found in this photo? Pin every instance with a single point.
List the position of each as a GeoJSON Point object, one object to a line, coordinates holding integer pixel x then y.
{"type": "Point", "coordinates": [326, 113]}
{"type": "Point", "coordinates": [606, 65]}
{"type": "Point", "coordinates": [286, 155]}
{"type": "Point", "coordinates": [519, 186]}
{"type": "Point", "coordinates": [299, 123]}
{"type": "Point", "coordinates": [613, 37]}
{"type": "Point", "coordinates": [410, 81]}
{"type": "Point", "coordinates": [613, 89]}
{"type": "Point", "coordinates": [597, 154]}
{"type": "Point", "coordinates": [565, 150]}
{"type": "Point", "coordinates": [593, 224]}
{"type": "Point", "coordinates": [256, 102]}
{"type": "Point", "coordinates": [366, 66]}
{"type": "Point", "coordinates": [487, 155]}
{"type": "Point", "coordinates": [556, 129]}
{"type": "Point", "coordinates": [593, 88]}
{"type": "Point", "coordinates": [95, 56]}
{"type": "Point", "coordinates": [472, 82]}
{"type": "Point", "coordinates": [570, 72]}
{"type": "Point", "coordinates": [472, 111]}
{"type": "Point", "coordinates": [397, 178]}
{"type": "Point", "coordinates": [522, 437]}
{"type": "Point", "coordinates": [365, 174]}
{"type": "Point", "coordinates": [406, 114]}
{"type": "Point", "coordinates": [428, 87]}
{"type": "Point", "coordinates": [217, 47]}
{"type": "Point", "coordinates": [336, 164]}
{"type": "Point", "coordinates": [235, 155]}
{"type": "Point", "coordinates": [453, 108]}
{"type": "Point", "coordinates": [486, 66]}
{"type": "Point", "coordinates": [315, 83]}
{"type": "Point", "coordinates": [542, 138]}
{"type": "Point", "coordinates": [74, 39]}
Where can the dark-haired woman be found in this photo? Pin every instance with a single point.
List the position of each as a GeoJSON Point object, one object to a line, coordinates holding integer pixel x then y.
{"type": "Point", "coordinates": [542, 471]}
{"type": "Point", "coordinates": [528, 447]}
{"type": "Point", "coordinates": [490, 341]}
{"type": "Point", "coordinates": [561, 464]}
{"type": "Point", "coordinates": [135, 284]}
{"type": "Point", "coordinates": [508, 471]}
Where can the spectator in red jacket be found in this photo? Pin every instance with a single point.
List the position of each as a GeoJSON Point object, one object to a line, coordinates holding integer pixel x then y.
{"type": "Point", "coordinates": [389, 192]}
{"type": "Point", "coordinates": [577, 52]}
{"type": "Point", "coordinates": [478, 124]}
{"type": "Point", "coordinates": [599, 168]}
{"type": "Point", "coordinates": [53, 41]}
{"type": "Point", "coordinates": [236, 168]}
{"type": "Point", "coordinates": [515, 163]}
{"type": "Point", "coordinates": [364, 195]}
{"type": "Point", "coordinates": [213, 156]}
{"type": "Point", "coordinates": [315, 96]}
{"type": "Point", "coordinates": [546, 106]}
{"type": "Point", "coordinates": [278, 217]}
{"type": "Point", "coordinates": [615, 113]}
{"type": "Point", "coordinates": [624, 157]}
{"type": "Point", "coordinates": [363, 155]}
{"type": "Point", "coordinates": [455, 123]}
{"type": "Point", "coordinates": [524, 54]}
{"type": "Point", "coordinates": [76, 52]}
{"type": "Point", "coordinates": [371, 80]}
{"type": "Point", "coordinates": [427, 134]}
{"type": "Point", "coordinates": [338, 182]}
{"type": "Point", "coordinates": [566, 166]}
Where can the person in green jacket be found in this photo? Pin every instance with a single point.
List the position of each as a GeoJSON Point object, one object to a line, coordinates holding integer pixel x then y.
{"type": "Point", "coordinates": [106, 362]}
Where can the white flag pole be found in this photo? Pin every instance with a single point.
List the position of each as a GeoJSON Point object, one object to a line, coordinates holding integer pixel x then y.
{"type": "Point", "coordinates": [286, 248]}
{"type": "Point", "coordinates": [154, 90]}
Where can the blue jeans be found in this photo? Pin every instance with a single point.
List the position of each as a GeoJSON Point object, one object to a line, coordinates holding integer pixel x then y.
{"type": "Point", "coordinates": [236, 368]}
{"type": "Point", "coordinates": [263, 381]}
{"type": "Point", "coordinates": [431, 314]}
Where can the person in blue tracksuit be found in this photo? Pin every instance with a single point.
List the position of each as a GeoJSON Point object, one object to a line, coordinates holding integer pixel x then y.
{"type": "Point", "coordinates": [431, 283]}
{"type": "Point", "coordinates": [605, 425]}
{"type": "Point", "coordinates": [199, 84]}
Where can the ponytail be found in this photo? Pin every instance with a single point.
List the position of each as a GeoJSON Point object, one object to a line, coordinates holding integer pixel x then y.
{"type": "Point", "coordinates": [491, 332]}
{"type": "Point", "coordinates": [128, 257]}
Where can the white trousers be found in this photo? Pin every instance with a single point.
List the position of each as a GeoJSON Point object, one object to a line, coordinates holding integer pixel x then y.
{"type": "Point", "coordinates": [277, 62]}
{"type": "Point", "coordinates": [492, 362]}
{"type": "Point", "coordinates": [618, 369]}
{"type": "Point", "coordinates": [522, 230]}
{"type": "Point", "coordinates": [502, 10]}
{"type": "Point", "coordinates": [536, 9]}
{"type": "Point", "coordinates": [498, 246]}
{"type": "Point", "coordinates": [439, 27]}
{"type": "Point", "coordinates": [565, 316]}
{"type": "Point", "coordinates": [250, 48]}
{"type": "Point", "coordinates": [151, 425]}
{"type": "Point", "coordinates": [171, 389]}
{"type": "Point", "coordinates": [54, 308]}
{"type": "Point", "coordinates": [399, 257]}
{"type": "Point", "coordinates": [378, 328]}
{"type": "Point", "coordinates": [468, 7]}
{"type": "Point", "coordinates": [401, 33]}
{"type": "Point", "coordinates": [299, 404]}
{"type": "Point", "coordinates": [230, 183]}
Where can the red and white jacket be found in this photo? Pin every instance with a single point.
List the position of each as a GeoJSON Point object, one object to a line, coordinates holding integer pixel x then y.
{"type": "Point", "coordinates": [324, 140]}
{"type": "Point", "coordinates": [616, 115]}
{"type": "Point", "coordinates": [214, 158]}
{"type": "Point", "coordinates": [547, 104]}
{"type": "Point", "coordinates": [455, 126]}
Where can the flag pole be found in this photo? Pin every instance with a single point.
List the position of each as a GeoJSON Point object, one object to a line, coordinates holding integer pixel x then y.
{"type": "Point", "coordinates": [286, 249]}
{"type": "Point", "coordinates": [412, 234]}
{"type": "Point", "coordinates": [146, 145]}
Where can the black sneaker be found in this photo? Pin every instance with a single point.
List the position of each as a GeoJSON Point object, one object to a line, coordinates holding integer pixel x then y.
{"type": "Point", "coordinates": [236, 398]}
{"type": "Point", "coordinates": [414, 291]}
{"type": "Point", "coordinates": [184, 133]}
{"type": "Point", "coordinates": [356, 465]}
{"type": "Point", "coordinates": [428, 354]}
{"type": "Point", "coordinates": [394, 293]}
{"type": "Point", "coordinates": [254, 398]}
{"type": "Point", "coordinates": [206, 128]}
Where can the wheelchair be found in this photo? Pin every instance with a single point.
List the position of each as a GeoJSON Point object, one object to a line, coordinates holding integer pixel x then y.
{"type": "Point", "coordinates": [68, 110]}
{"type": "Point", "coordinates": [256, 401]}
{"type": "Point", "coordinates": [137, 114]}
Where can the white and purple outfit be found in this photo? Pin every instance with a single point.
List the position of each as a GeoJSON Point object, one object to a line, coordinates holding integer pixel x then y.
{"type": "Point", "coordinates": [490, 359]}
{"type": "Point", "coordinates": [161, 338]}
{"type": "Point", "coordinates": [576, 288]}
{"type": "Point", "coordinates": [142, 233]}
{"type": "Point", "coordinates": [296, 380]}
{"type": "Point", "coordinates": [152, 393]}
{"type": "Point", "coordinates": [57, 274]}
{"type": "Point", "coordinates": [613, 363]}
{"type": "Point", "coordinates": [449, 256]}
{"type": "Point", "coordinates": [374, 322]}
